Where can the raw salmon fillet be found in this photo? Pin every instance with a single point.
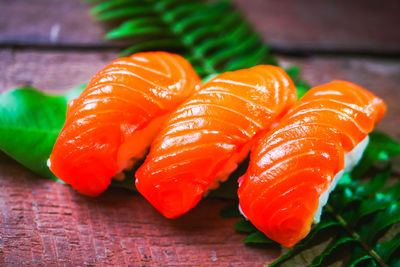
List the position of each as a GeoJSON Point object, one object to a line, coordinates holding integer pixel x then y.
{"type": "Point", "coordinates": [293, 166]}
{"type": "Point", "coordinates": [210, 133]}
{"type": "Point", "coordinates": [113, 121]}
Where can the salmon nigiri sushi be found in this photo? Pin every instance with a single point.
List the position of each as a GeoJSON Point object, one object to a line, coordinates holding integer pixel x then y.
{"type": "Point", "coordinates": [113, 121]}
{"type": "Point", "coordinates": [203, 141]}
{"type": "Point", "coordinates": [295, 166]}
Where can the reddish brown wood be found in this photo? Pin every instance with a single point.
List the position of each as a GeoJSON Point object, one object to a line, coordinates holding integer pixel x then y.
{"type": "Point", "coordinates": [46, 223]}
{"type": "Point", "coordinates": [50, 71]}
{"type": "Point", "coordinates": [48, 22]}
{"type": "Point", "coordinates": [358, 25]}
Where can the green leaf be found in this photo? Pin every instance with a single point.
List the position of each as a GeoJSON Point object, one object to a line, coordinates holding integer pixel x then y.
{"type": "Point", "coordinates": [302, 88]}
{"type": "Point", "coordinates": [376, 184]}
{"type": "Point", "coordinates": [339, 242]}
{"type": "Point", "coordinates": [163, 44]}
{"type": "Point", "coordinates": [212, 13]}
{"type": "Point", "coordinates": [230, 211]}
{"type": "Point", "coordinates": [105, 6]}
{"type": "Point", "coordinates": [303, 243]}
{"type": "Point", "coordinates": [293, 71]}
{"type": "Point", "coordinates": [142, 31]}
{"type": "Point", "coordinates": [380, 201]}
{"type": "Point", "coordinates": [380, 147]}
{"type": "Point", "coordinates": [381, 221]}
{"type": "Point", "coordinates": [30, 122]}
{"type": "Point", "coordinates": [258, 238]}
{"type": "Point", "coordinates": [127, 12]}
{"type": "Point", "coordinates": [358, 260]}
{"type": "Point", "coordinates": [244, 226]}
{"type": "Point", "coordinates": [386, 249]}
{"type": "Point", "coordinates": [301, 85]}
{"type": "Point", "coordinates": [195, 28]}
{"type": "Point", "coordinates": [228, 189]}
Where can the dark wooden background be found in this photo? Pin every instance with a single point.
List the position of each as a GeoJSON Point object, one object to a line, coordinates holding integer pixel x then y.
{"type": "Point", "coordinates": [54, 45]}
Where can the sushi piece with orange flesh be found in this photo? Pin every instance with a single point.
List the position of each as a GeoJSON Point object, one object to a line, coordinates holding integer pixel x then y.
{"type": "Point", "coordinates": [113, 121]}
{"type": "Point", "coordinates": [295, 166]}
{"type": "Point", "coordinates": [210, 133]}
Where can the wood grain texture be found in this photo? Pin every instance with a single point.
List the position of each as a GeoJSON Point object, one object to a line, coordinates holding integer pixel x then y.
{"type": "Point", "coordinates": [51, 71]}
{"type": "Point", "coordinates": [341, 25]}
{"type": "Point", "coordinates": [48, 22]}
{"type": "Point", "coordinates": [46, 223]}
{"type": "Point", "coordinates": [288, 25]}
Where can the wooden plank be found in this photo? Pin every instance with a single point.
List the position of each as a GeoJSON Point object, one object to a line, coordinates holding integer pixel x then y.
{"type": "Point", "coordinates": [50, 71]}
{"type": "Point", "coordinates": [289, 25]}
{"type": "Point", "coordinates": [48, 22]}
{"type": "Point", "coordinates": [46, 223]}
{"type": "Point", "coordinates": [356, 26]}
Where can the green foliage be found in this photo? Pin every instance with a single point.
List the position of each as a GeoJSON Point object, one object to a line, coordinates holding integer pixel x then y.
{"type": "Point", "coordinates": [301, 85]}
{"type": "Point", "coordinates": [360, 212]}
{"type": "Point", "coordinates": [195, 29]}
{"type": "Point", "coordinates": [30, 122]}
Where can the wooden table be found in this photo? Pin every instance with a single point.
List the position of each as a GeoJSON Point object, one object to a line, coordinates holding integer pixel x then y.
{"type": "Point", "coordinates": [54, 45]}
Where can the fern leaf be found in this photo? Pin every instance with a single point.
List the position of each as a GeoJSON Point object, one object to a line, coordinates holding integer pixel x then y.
{"type": "Point", "coordinates": [328, 251]}
{"type": "Point", "coordinates": [323, 225]}
{"type": "Point", "coordinates": [258, 238]}
{"type": "Point", "coordinates": [376, 184]}
{"type": "Point", "coordinates": [231, 211]}
{"type": "Point", "coordinates": [358, 260]}
{"type": "Point", "coordinates": [380, 147]}
{"type": "Point", "coordinates": [161, 44]}
{"type": "Point", "coordinates": [381, 221]}
{"type": "Point", "coordinates": [213, 43]}
{"type": "Point", "coordinates": [106, 6]}
{"type": "Point", "coordinates": [165, 4]}
{"type": "Point", "coordinates": [138, 31]}
{"type": "Point", "coordinates": [244, 226]}
{"type": "Point", "coordinates": [123, 13]}
{"type": "Point", "coordinates": [387, 249]}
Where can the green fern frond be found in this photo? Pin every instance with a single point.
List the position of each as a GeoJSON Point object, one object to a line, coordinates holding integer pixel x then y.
{"type": "Point", "coordinates": [213, 43]}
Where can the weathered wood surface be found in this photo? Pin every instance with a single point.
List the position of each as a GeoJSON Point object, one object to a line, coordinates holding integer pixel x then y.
{"type": "Point", "coordinates": [43, 222]}
{"type": "Point", "coordinates": [46, 223]}
{"type": "Point", "coordinates": [289, 25]}
{"type": "Point", "coordinates": [51, 71]}
{"type": "Point", "coordinates": [357, 25]}
{"type": "Point", "coordinates": [49, 22]}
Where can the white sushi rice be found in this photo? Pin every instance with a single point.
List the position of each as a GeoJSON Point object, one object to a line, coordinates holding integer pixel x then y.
{"type": "Point", "coordinates": [350, 160]}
